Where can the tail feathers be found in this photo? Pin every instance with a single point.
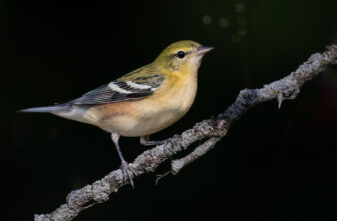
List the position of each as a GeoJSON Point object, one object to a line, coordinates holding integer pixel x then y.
{"type": "Point", "coordinates": [49, 109]}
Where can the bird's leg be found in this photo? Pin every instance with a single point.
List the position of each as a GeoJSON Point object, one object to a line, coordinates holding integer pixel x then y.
{"type": "Point", "coordinates": [124, 164]}
{"type": "Point", "coordinates": [145, 140]}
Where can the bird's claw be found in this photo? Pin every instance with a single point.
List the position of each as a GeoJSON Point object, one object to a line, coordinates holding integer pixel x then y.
{"type": "Point", "coordinates": [127, 172]}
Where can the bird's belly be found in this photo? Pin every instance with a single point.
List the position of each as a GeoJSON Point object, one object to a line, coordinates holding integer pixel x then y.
{"type": "Point", "coordinates": [141, 125]}
{"type": "Point", "coordinates": [142, 117]}
{"type": "Point", "coordinates": [142, 122]}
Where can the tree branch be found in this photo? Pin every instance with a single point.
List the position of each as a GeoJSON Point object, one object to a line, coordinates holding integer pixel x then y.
{"type": "Point", "coordinates": [212, 129]}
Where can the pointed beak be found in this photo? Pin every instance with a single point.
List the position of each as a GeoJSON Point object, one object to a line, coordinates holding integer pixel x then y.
{"type": "Point", "coordinates": [203, 50]}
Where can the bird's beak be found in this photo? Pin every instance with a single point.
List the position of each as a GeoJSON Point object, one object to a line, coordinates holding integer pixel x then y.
{"type": "Point", "coordinates": [203, 50]}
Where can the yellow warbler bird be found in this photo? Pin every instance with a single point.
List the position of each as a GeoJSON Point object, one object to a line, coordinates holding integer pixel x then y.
{"type": "Point", "coordinates": [143, 101]}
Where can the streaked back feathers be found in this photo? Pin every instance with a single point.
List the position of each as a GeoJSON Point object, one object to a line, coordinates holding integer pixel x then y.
{"type": "Point", "coordinates": [147, 75]}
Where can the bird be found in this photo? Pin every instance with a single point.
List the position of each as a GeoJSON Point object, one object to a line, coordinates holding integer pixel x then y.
{"type": "Point", "coordinates": [142, 102]}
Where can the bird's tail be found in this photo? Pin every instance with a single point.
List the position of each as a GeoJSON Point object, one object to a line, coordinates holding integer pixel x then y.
{"type": "Point", "coordinates": [48, 109]}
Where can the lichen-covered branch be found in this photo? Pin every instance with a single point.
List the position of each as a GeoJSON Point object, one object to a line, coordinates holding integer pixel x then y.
{"type": "Point", "coordinates": [211, 130]}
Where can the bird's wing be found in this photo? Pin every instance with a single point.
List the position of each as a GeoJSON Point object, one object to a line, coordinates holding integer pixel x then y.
{"type": "Point", "coordinates": [129, 87]}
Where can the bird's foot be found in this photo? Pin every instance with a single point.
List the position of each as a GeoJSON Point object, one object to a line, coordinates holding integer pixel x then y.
{"type": "Point", "coordinates": [153, 142]}
{"type": "Point", "coordinates": [127, 172]}
{"type": "Point", "coordinates": [147, 142]}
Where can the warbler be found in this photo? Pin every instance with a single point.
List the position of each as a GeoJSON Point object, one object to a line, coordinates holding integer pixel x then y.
{"type": "Point", "coordinates": [141, 102]}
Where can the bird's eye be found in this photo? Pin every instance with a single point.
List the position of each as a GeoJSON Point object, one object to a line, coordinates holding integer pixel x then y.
{"type": "Point", "coordinates": [180, 54]}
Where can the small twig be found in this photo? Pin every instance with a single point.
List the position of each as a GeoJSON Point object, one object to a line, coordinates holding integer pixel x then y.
{"type": "Point", "coordinates": [213, 129]}
{"type": "Point", "coordinates": [160, 176]}
{"type": "Point", "coordinates": [178, 164]}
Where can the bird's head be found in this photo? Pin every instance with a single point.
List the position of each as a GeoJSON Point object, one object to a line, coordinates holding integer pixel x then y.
{"type": "Point", "coordinates": [182, 56]}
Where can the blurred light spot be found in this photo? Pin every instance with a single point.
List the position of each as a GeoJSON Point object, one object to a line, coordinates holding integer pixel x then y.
{"type": "Point", "coordinates": [240, 8]}
{"type": "Point", "coordinates": [224, 23]}
{"type": "Point", "coordinates": [242, 32]}
{"type": "Point", "coordinates": [206, 19]}
{"type": "Point", "coordinates": [236, 38]}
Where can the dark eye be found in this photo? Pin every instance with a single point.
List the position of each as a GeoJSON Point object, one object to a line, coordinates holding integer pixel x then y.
{"type": "Point", "coordinates": [180, 54]}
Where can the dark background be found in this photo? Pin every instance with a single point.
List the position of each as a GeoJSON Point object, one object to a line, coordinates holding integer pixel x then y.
{"type": "Point", "coordinates": [273, 164]}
